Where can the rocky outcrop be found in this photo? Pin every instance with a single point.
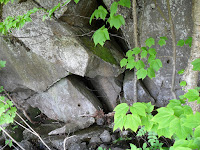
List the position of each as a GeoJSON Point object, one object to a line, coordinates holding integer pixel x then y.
{"type": "Point", "coordinates": [66, 101]}
{"type": "Point", "coordinates": [109, 89]}
{"type": "Point", "coordinates": [26, 71]}
{"type": "Point", "coordinates": [57, 43]}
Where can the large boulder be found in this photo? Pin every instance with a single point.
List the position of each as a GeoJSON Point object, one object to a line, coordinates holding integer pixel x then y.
{"type": "Point", "coordinates": [143, 94]}
{"type": "Point", "coordinates": [109, 89]}
{"type": "Point", "coordinates": [67, 100]}
{"type": "Point", "coordinates": [25, 71]}
{"type": "Point", "coordinates": [154, 25]}
{"type": "Point", "coordinates": [56, 42]}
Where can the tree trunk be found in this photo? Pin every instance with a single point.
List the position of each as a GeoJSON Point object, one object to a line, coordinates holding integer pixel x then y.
{"type": "Point", "coordinates": [190, 76]}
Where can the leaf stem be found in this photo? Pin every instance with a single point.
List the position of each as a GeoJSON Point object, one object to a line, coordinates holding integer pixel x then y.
{"type": "Point", "coordinates": [174, 49]}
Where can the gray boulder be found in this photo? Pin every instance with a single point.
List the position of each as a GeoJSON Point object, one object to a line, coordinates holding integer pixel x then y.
{"type": "Point", "coordinates": [109, 89]}
{"type": "Point", "coordinates": [66, 101]}
{"type": "Point", "coordinates": [143, 94]}
{"type": "Point", "coordinates": [58, 43]}
{"type": "Point", "coordinates": [25, 71]}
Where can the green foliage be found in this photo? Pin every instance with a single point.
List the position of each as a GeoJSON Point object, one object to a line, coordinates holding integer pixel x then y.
{"type": "Point", "coordinates": [188, 42]}
{"type": "Point", "coordinates": [2, 64]}
{"type": "Point", "coordinates": [17, 22]}
{"type": "Point", "coordinates": [100, 36]}
{"type": "Point", "coordinates": [180, 43]}
{"type": "Point", "coordinates": [9, 143]}
{"type": "Point", "coordinates": [145, 52]}
{"type": "Point", "coordinates": [181, 71]}
{"type": "Point", "coordinates": [183, 83]}
{"type": "Point", "coordinates": [176, 121]}
{"type": "Point", "coordinates": [101, 12]}
{"type": "Point", "coordinates": [162, 41]}
{"type": "Point", "coordinates": [150, 42]}
{"type": "Point", "coordinates": [7, 110]}
{"type": "Point", "coordinates": [125, 3]}
{"type": "Point", "coordinates": [5, 1]}
{"type": "Point", "coordinates": [114, 20]}
{"type": "Point", "coordinates": [196, 64]}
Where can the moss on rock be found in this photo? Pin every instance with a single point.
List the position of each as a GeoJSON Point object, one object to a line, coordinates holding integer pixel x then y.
{"type": "Point", "coordinates": [102, 52]}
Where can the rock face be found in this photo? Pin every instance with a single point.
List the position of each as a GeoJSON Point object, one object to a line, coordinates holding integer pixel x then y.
{"type": "Point", "coordinates": [143, 95]}
{"type": "Point", "coordinates": [67, 100]}
{"type": "Point", "coordinates": [153, 25]}
{"type": "Point", "coordinates": [54, 66]}
{"type": "Point", "coordinates": [25, 70]}
{"type": "Point", "coordinates": [109, 89]}
{"type": "Point", "coordinates": [55, 42]}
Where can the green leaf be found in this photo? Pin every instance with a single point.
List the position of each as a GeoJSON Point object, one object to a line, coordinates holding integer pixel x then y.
{"type": "Point", "coordinates": [178, 129]}
{"type": "Point", "coordinates": [131, 63]}
{"type": "Point", "coordinates": [100, 36]}
{"type": "Point", "coordinates": [123, 62]}
{"type": "Point", "coordinates": [189, 41]}
{"type": "Point", "coordinates": [76, 1]}
{"type": "Point", "coordinates": [162, 42]}
{"type": "Point", "coordinates": [132, 122]}
{"type": "Point", "coordinates": [121, 109]}
{"type": "Point", "coordinates": [173, 103]}
{"type": "Point", "coordinates": [125, 3]}
{"type": "Point", "coordinates": [149, 106]}
{"type": "Point", "coordinates": [156, 64]}
{"type": "Point", "coordinates": [196, 64]}
{"type": "Point", "coordinates": [139, 64]}
{"type": "Point", "coordinates": [143, 48]}
{"type": "Point", "coordinates": [181, 71]}
{"type": "Point", "coordinates": [136, 50]}
{"type": "Point", "coordinates": [183, 83]}
{"type": "Point", "coordinates": [150, 41]}
{"type": "Point", "coordinates": [119, 122]}
{"type": "Point", "coordinates": [192, 95]}
{"type": "Point", "coordinates": [194, 144]}
{"type": "Point", "coordinates": [144, 54]}
{"type": "Point", "coordinates": [152, 51]}
{"type": "Point", "coordinates": [180, 43]}
{"type": "Point", "coordinates": [138, 108]}
{"type": "Point", "coordinates": [113, 8]}
{"type": "Point", "coordinates": [133, 147]}
{"type": "Point", "coordinates": [192, 121]}
{"type": "Point", "coordinates": [101, 12]}
{"type": "Point", "coordinates": [151, 72]}
{"type": "Point", "coordinates": [197, 132]}
{"type": "Point", "coordinates": [146, 121]}
{"type": "Point", "coordinates": [2, 64]}
{"type": "Point", "coordinates": [141, 74]}
{"type": "Point", "coordinates": [164, 117]}
{"type": "Point", "coordinates": [44, 17]}
{"type": "Point", "coordinates": [164, 38]}
{"type": "Point", "coordinates": [151, 58]}
{"type": "Point", "coordinates": [198, 100]}
{"type": "Point", "coordinates": [164, 132]}
{"type": "Point", "coordinates": [116, 21]}
{"type": "Point", "coordinates": [129, 53]}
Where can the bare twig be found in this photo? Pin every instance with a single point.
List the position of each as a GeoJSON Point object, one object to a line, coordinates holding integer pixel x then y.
{"type": "Point", "coordinates": [65, 140]}
{"type": "Point", "coordinates": [174, 49]}
{"type": "Point", "coordinates": [35, 133]}
{"type": "Point", "coordinates": [161, 12]}
{"type": "Point", "coordinates": [11, 138]}
{"type": "Point", "coordinates": [135, 35]}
